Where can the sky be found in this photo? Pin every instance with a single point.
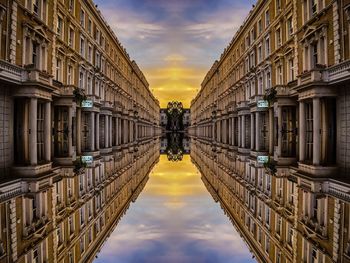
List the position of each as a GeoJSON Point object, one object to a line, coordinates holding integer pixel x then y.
{"type": "Point", "coordinates": [175, 42]}
{"type": "Point", "coordinates": [174, 220]}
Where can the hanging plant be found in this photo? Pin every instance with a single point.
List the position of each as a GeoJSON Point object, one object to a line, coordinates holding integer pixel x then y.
{"type": "Point", "coordinates": [270, 95]}
{"type": "Point", "coordinates": [270, 167]}
{"type": "Point", "coordinates": [79, 166]}
{"type": "Point", "coordinates": [79, 95]}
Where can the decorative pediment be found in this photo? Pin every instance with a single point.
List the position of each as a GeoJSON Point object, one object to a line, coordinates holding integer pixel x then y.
{"type": "Point", "coordinates": [314, 32]}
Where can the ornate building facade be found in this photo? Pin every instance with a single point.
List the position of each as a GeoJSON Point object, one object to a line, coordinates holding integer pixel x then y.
{"type": "Point", "coordinates": [68, 87]}
{"type": "Point", "coordinates": [79, 130]}
{"type": "Point", "coordinates": [273, 112]}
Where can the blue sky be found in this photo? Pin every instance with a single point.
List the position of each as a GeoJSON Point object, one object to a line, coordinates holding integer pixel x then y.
{"type": "Point", "coordinates": [175, 42]}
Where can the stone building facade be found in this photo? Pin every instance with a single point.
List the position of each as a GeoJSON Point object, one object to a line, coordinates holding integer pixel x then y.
{"type": "Point", "coordinates": [79, 130]}
{"type": "Point", "coordinates": [274, 107]}
{"type": "Point", "coordinates": [68, 87]}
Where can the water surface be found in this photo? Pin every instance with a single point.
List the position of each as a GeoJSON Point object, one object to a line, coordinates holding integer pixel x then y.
{"type": "Point", "coordinates": [175, 219]}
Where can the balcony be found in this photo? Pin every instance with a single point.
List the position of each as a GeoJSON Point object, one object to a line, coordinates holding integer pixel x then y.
{"type": "Point", "coordinates": [32, 74]}
{"type": "Point", "coordinates": [339, 72]}
{"type": "Point", "coordinates": [314, 227]}
{"type": "Point", "coordinates": [317, 74]}
{"type": "Point", "coordinates": [317, 170]}
{"type": "Point", "coordinates": [10, 72]}
{"type": "Point", "coordinates": [36, 228]}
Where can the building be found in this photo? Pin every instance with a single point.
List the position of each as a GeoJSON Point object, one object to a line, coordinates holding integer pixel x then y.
{"type": "Point", "coordinates": [278, 94]}
{"type": "Point", "coordinates": [283, 217]}
{"type": "Point", "coordinates": [79, 130]}
{"type": "Point", "coordinates": [187, 118]}
{"type": "Point", "coordinates": [66, 216]}
{"type": "Point", "coordinates": [68, 87]}
{"type": "Point", "coordinates": [163, 118]}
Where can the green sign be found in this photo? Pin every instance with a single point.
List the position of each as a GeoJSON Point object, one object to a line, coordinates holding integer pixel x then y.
{"type": "Point", "coordinates": [87, 104]}
{"type": "Point", "coordinates": [263, 104]}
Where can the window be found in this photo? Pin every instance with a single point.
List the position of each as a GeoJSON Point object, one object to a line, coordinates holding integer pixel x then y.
{"type": "Point", "coordinates": [35, 59]}
{"type": "Point", "coordinates": [267, 46]}
{"type": "Point", "coordinates": [260, 54]}
{"type": "Point", "coordinates": [90, 26]}
{"type": "Point", "coordinates": [309, 131]}
{"type": "Point", "coordinates": [260, 27]}
{"type": "Point", "coordinates": [36, 7]}
{"type": "Point", "coordinates": [314, 6]}
{"type": "Point", "coordinates": [60, 27]}
{"type": "Point", "coordinates": [268, 80]}
{"type": "Point", "coordinates": [314, 55]}
{"type": "Point", "coordinates": [71, 37]}
{"type": "Point", "coordinates": [290, 29]}
{"type": "Point", "coordinates": [82, 216]}
{"type": "Point", "coordinates": [291, 69]}
{"type": "Point", "coordinates": [82, 18]}
{"type": "Point", "coordinates": [58, 69]}
{"type": "Point", "coordinates": [278, 6]}
{"type": "Point", "coordinates": [71, 224]}
{"type": "Point", "coordinates": [279, 75]}
{"type": "Point", "coordinates": [82, 244]}
{"type": "Point", "coordinates": [40, 132]}
{"type": "Point", "coordinates": [278, 38]}
{"type": "Point", "coordinates": [267, 18]}
{"type": "Point", "coordinates": [82, 46]}
{"type": "Point", "coordinates": [81, 79]}
{"type": "Point", "coordinates": [71, 6]}
{"type": "Point", "coordinates": [35, 255]}
{"type": "Point", "coordinates": [70, 75]}
{"type": "Point", "coordinates": [90, 53]}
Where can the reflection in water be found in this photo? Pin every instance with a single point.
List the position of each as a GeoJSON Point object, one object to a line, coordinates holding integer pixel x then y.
{"type": "Point", "coordinates": [66, 215]}
{"type": "Point", "coordinates": [282, 216]}
{"type": "Point", "coordinates": [72, 213]}
{"type": "Point", "coordinates": [174, 220]}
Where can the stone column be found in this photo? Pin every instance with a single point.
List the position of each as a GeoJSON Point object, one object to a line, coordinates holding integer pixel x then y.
{"type": "Point", "coordinates": [302, 131]}
{"type": "Point", "coordinates": [257, 131]}
{"type": "Point", "coordinates": [239, 131]}
{"type": "Point", "coordinates": [271, 129]}
{"type": "Point", "coordinates": [106, 132]}
{"type": "Point", "coordinates": [92, 129]}
{"type": "Point", "coordinates": [252, 130]}
{"type": "Point", "coordinates": [97, 131]}
{"type": "Point", "coordinates": [47, 131]}
{"type": "Point", "coordinates": [279, 115]}
{"type": "Point", "coordinates": [33, 116]}
{"type": "Point", "coordinates": [243, 131]}
{"type": "Point", "coordinates": [116, 131]}
{"type": "Point", "coordinates": [110, 135]}
{"type": "Point", "coordinates": [70, 129]}
{"type": "Point", "coordinates": [78, 120]}
{"type": "Point", "coordinates": [316, 108]}
{"type": "Point", "coordinates": [230, 131]}
{"type": "Point", "coordinates": [233, 132]}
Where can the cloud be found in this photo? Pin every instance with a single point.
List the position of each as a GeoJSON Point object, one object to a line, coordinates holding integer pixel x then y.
{"type": "Point", "coordinates": [163, 36]}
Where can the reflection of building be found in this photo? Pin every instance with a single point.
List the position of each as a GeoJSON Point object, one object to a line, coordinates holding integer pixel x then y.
{"type": "Point", "coordinates": [66, 217]}
{"type": "Point", "coordinates": [283, 217]}
{"type": "Point", "coordinates": [279, 93]}
{"type": "Point", "coordinates": [163, 118]}
{"type": "Point", "coordinates": [186, 118]}
{"type": "Point", "coordinates": [52, 55]}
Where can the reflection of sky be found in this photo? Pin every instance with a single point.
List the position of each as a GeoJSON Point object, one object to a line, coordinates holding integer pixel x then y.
{"type": "Point", "coordinates": [174, 220]}
{"type": "Point", "coordinates": [175, 42]}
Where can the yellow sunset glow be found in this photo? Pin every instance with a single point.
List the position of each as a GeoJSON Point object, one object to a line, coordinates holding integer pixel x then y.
{"type": "Point", "coordinates": [174, 180]}
{"type": "Point", "coordinates": [175, 82]}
